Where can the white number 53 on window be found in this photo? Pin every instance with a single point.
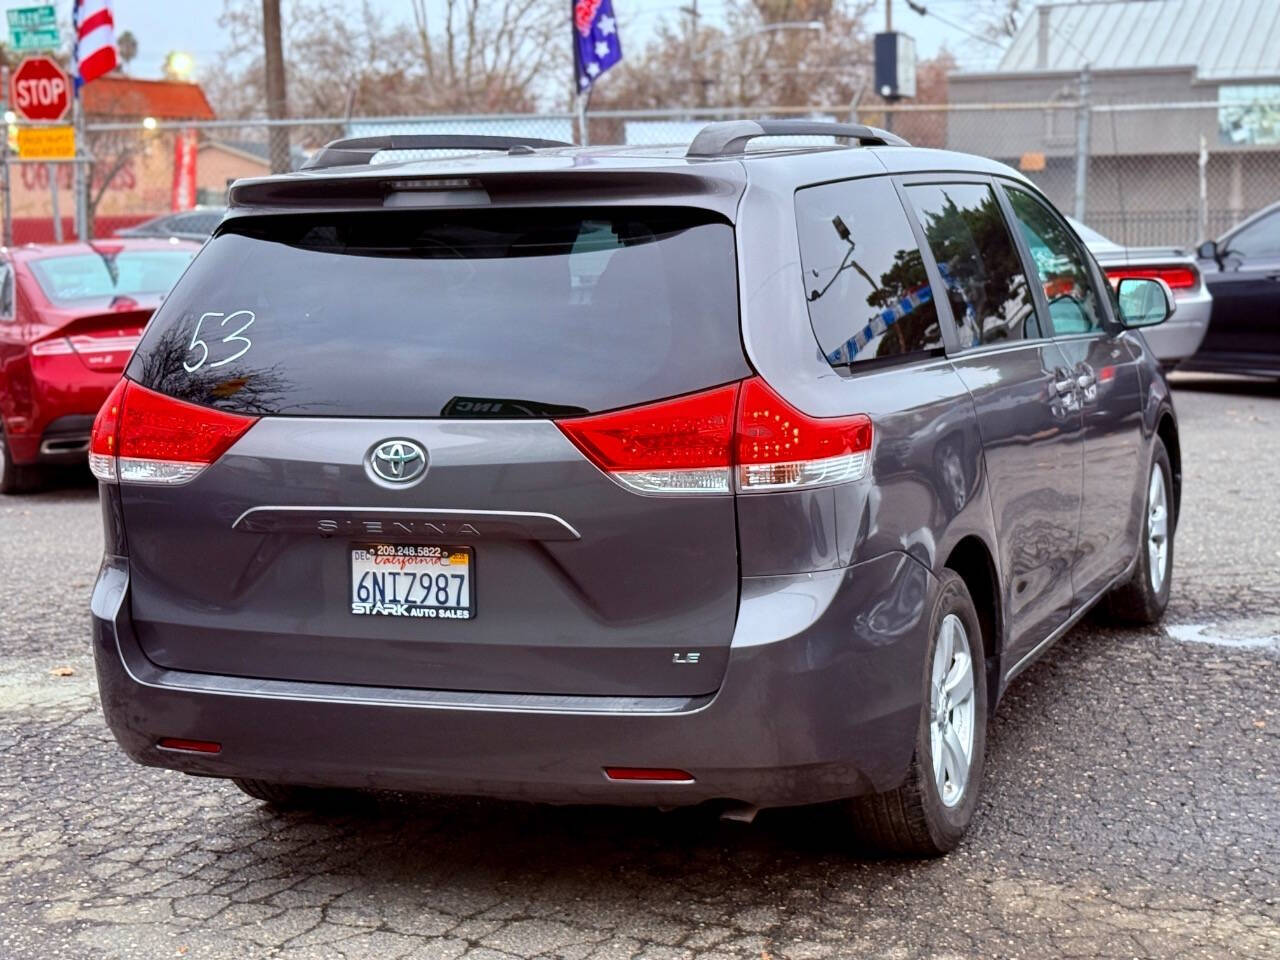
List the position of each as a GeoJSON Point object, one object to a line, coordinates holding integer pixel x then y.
{"type": "Point", "coordinates": [245, 320]}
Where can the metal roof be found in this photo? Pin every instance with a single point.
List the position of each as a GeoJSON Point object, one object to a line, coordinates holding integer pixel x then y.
{"type": "Point", "coordinates": [1235, 40]}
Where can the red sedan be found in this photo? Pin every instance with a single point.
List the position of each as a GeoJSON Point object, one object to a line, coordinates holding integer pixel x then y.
{"type": "Point", "coordinates": [70, 316]}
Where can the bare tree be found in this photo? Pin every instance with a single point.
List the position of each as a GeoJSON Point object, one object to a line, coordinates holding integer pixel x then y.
{"type": "Point", "coordinates": [345, 57]}
{"type": "Point", "coordinates": [490, 56]}
{"type": "Point", "coordinates": [746, 63]}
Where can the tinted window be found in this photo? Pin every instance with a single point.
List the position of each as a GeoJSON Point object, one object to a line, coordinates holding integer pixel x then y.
{"type": "Point", "coordinates": [986, 286]}
{"type": "Point", "coordinates": [91, 276]}
{"type": "Point", "coordinates": [1260, 240]}
{"type": "Point", "coordinates": [202, 222]}
{"type": "Point", "coordinates": [863, 275]}
{"type": "Point", "coordinates": [6, 291]}
{"type": "Point", "coordinates": [444, 313]}
{"type": "Point", "coordinates": [1074, 305]}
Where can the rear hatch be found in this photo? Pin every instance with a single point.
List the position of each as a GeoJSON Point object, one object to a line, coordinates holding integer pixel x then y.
{"type": "Point", "coordinates": [372, 344]}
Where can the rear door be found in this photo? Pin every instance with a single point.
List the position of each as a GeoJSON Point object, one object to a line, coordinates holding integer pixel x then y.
{"type": "Point", "coordinates": [373, 345]}
{"type": "Point", "coordinates": [1027, 406]}
{"type": "Point", "coordinates": [1246, 296]}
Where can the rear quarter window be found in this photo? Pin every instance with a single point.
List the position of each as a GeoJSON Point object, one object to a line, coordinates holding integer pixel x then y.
{"type": "Point", "coordinates": [864, 279]}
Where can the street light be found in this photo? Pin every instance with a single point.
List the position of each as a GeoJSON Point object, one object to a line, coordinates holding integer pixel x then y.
{"type": "Point", "coordinates": [179, 65]}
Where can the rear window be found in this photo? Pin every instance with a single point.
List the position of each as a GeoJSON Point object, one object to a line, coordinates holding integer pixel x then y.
{"type": "Point", "coordinates": [92, 276]}
{"type": "Point", "coordinates": [517, 313]}
{"type": "Point", "coordinates": [869, 297]}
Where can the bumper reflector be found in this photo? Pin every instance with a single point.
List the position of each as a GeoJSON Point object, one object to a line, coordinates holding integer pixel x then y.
{"type": "Point", "coordinates": [650, 774]}
{"type": "Point", "coordinates": [188, 746]}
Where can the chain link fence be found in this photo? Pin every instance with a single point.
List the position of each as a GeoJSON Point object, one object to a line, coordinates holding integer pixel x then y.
{"type": "Point", "coordinates": [1140, 174]}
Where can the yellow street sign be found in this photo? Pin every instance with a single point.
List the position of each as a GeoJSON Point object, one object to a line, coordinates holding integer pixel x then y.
{"type": "Point", "coordinates": [46, 143]}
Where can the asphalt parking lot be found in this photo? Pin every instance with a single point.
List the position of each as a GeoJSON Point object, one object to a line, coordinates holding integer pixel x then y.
{"type": "Point", "coordinates": [1132, 806]}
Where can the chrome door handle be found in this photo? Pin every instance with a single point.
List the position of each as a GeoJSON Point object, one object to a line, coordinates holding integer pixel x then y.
{"type": "Point", "coordinates": [1063, 387]}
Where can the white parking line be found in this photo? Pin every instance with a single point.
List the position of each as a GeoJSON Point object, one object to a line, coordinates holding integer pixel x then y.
{"type": "Point", "coordinates": [1237, 634]}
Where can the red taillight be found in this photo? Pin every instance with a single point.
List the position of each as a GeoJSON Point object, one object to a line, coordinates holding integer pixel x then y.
{"type": "Point", "coordinates": [1178, 278]}
{"type": "Point", "coordinates": [648, 774]}
{"type": "Point", "coordinates": [141, 436]}
{"type": "Point", "coordinates": [777, 446]}
{"type": "Point", "coordinates": [105, 435]}
{"type": "Point", "coordinates": [188, 746]}
{"type": "Point", "coordinates": [692, 444]}
{"type": "Point", "coordinates": [673, 446]}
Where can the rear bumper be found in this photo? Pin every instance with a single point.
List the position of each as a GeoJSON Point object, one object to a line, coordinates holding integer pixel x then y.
{"type": "Point", "coordinates": [66, 439]}
{"type": "Point", "coordinates": [1180, 336]}
{"type": "Point", "coordinates": [820, 700]}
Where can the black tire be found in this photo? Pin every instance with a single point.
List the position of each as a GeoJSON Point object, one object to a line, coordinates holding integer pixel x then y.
{"type": "Point", "coordinates": [16, 478]}
{"type": "Point", "coordinates": [288, 796]}
{"type": "Point", "coordinates": [913, 820]}
{"type": "Point", "coordinates": [1137, 601]}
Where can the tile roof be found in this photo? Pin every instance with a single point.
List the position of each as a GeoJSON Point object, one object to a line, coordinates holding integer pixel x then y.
{"type": "Point", "coordinates": [118, 96]}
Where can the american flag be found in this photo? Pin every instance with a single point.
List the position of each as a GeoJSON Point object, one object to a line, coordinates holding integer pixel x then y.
{"type": "Point", "coordinates": [595, 40]}
{"type": "Point", "coordinates": [95, 52]}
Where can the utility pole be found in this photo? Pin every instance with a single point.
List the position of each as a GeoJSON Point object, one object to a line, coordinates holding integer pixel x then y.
{"type": "Point", "coordinates": [695, 85]}
{"type": "Point", "coordinates": [277, 104]}
{"type": "Point", "coordinates": [1082, 145]}
{"type": "Point", "coordinates": [7, 238]}
{"type": "Point", "coordinates": [888, 28]}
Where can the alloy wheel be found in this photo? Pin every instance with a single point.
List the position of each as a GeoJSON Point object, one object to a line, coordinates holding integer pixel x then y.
{"type": "Point", "coordinates": [952, 710]}
{"type": "Point", "coordinates": [1157, 528]}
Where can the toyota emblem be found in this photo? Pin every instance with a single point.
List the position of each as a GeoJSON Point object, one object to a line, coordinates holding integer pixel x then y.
{"type": "Point", "coordinates": [398, 461]}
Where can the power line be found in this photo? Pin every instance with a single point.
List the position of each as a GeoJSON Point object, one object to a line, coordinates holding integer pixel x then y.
{"type": "Point", "coordinates": [921, 9]}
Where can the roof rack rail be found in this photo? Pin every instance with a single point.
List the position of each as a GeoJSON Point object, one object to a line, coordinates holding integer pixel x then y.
{"type": "Point", "coordinates": [728, 138]}
{"type": "Point", "coordinates": [359, 151]}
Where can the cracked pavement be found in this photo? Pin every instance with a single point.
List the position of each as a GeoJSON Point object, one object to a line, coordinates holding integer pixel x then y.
{"type": "Point", "coordinates": [1131, 808]}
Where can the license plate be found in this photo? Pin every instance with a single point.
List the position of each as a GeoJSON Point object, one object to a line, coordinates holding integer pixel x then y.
{"type": "Point", "coordinates": [406, 580]}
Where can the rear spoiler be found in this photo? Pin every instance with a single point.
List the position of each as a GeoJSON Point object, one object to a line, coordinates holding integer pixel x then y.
{"type": "Point", "coordinates": [360, 151]}
{"type": "Point", "coordinates": [716, 188]}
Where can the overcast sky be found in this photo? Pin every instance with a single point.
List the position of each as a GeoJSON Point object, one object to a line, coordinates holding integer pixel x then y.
{"type": "Point", "coordinates": [192, 26]}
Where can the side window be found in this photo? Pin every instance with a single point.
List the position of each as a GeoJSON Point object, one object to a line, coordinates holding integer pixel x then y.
{"type": "Point", "coordinates": [987, 287]}
{"type": "Point", "coordinates": [1260, 241]}
{"type": "Point", "coordinates": [864, 278]}
{"type": "Point", "coordinates": [1074, 303]}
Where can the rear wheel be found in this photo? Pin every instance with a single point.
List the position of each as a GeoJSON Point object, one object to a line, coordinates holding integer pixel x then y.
{"type": "Point", "coordinates": [15, 478]}
{"type": "Point", "coordinates": [930, 812]}
{"type": "Point", "coordinates": [1143, 599]}
{"type": "Point", "coordinates": [288, 796]}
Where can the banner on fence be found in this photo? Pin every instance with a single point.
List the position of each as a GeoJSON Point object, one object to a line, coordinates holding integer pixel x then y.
{"type": "Point", "coordinates": [184, 170]}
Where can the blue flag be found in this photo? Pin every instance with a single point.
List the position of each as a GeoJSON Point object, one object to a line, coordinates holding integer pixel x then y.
{"type": "Point", "coordinates": [595, 40]}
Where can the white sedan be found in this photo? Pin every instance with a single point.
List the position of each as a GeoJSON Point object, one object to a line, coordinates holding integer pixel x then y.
{"type": "Point", "coordinates": [1178, 337]}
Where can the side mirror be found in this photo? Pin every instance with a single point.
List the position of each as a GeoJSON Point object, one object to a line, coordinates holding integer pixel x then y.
{"type": "Point", "coordinates": [1144, 301]}
{"type": "Point", "coordinates": [1207, 250]}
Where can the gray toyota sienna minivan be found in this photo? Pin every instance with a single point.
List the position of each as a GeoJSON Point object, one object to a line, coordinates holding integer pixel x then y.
{"type": "Point", "coordinates": [749, 472]}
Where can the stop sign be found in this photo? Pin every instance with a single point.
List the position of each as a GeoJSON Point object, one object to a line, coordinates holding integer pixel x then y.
{"type": "Point", "coordinates": [40, 89]}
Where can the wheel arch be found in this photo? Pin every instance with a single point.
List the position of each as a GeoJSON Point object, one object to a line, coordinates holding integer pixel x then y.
{"type": "Point", "coordinates": [972, 560]}
{"type": "Point", "coordinates": [1167, 431]}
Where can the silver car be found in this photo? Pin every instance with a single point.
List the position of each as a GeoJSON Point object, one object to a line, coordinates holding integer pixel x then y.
{"type": "Point", "coordinates": [1180, 336]}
